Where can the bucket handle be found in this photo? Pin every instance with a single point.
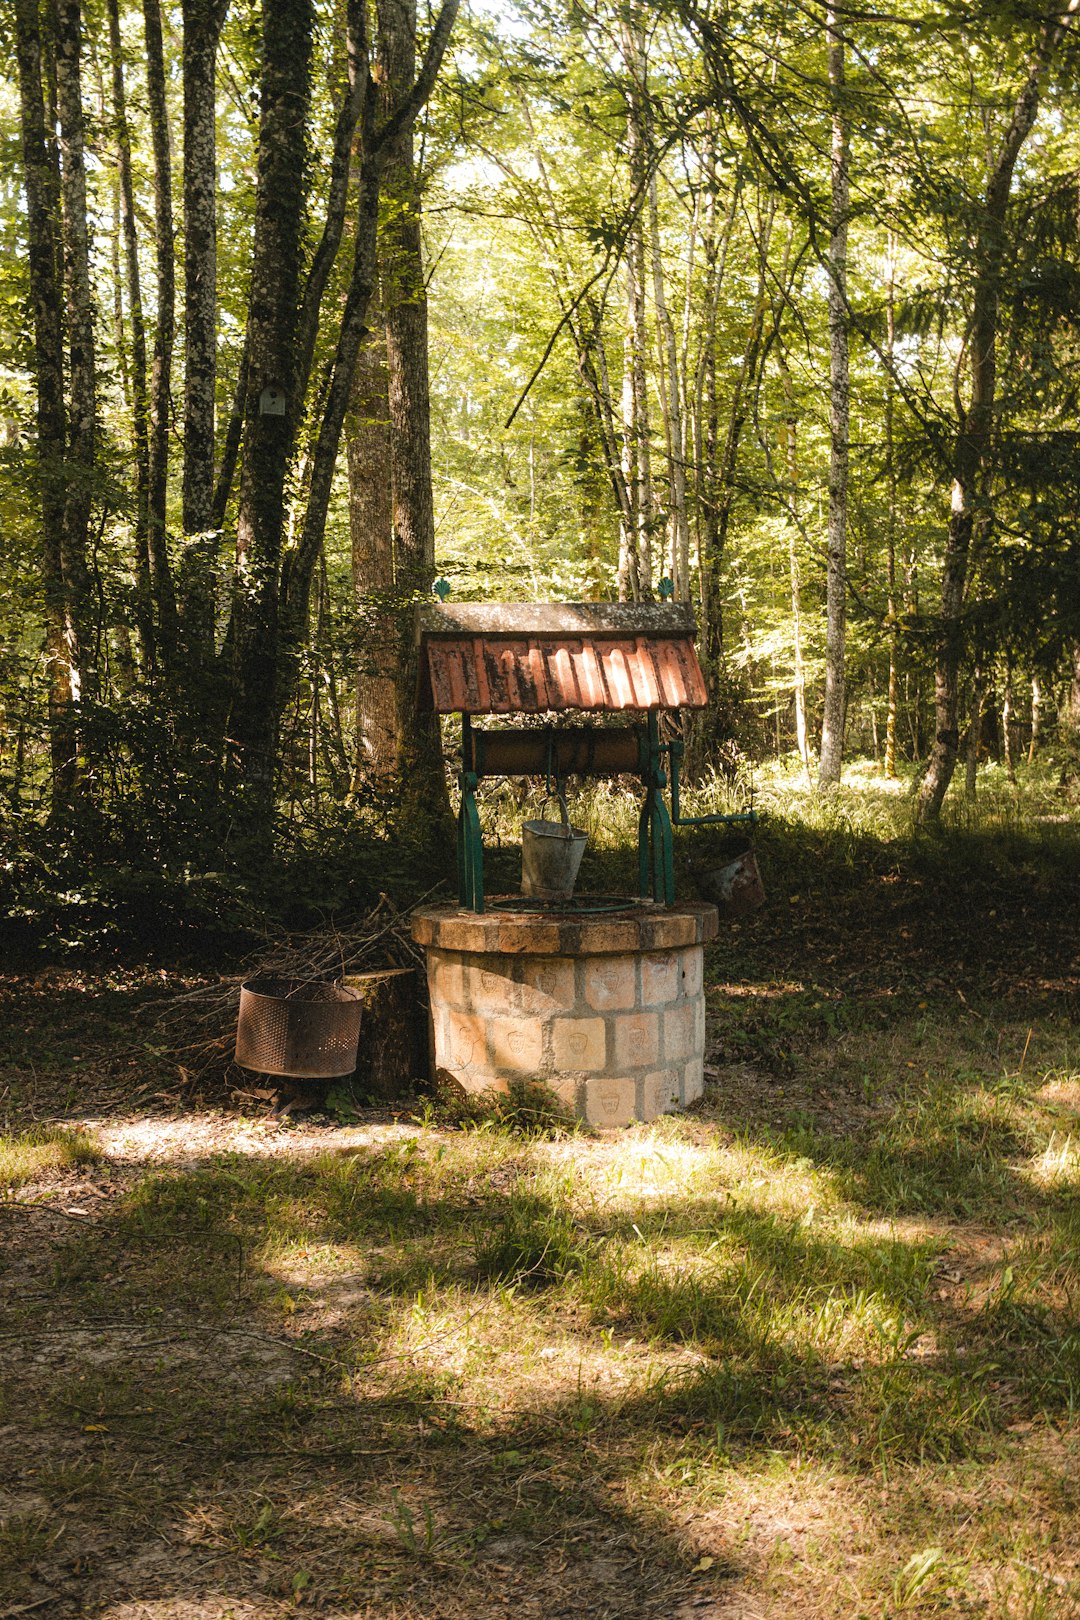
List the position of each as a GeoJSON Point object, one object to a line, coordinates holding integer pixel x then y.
{"type": "Point", "coordinates": [560, 795]}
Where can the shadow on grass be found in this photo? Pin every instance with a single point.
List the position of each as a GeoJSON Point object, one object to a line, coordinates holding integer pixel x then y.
{"type": "Point", "coordinates": [377, 1461]}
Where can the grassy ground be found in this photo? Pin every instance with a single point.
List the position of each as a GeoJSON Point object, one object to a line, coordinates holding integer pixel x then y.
{"type": "Point", "coordinates": [812, 1349]}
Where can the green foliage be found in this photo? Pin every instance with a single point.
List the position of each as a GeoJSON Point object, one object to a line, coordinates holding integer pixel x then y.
{"type": "Point", "coordinates": [532, 209]}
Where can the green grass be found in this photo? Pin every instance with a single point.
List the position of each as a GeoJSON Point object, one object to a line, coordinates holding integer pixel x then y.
{"type": "Point", "coordinates": [28, 1155]}
{"type": "Point", "coordinates": [812, 1349]}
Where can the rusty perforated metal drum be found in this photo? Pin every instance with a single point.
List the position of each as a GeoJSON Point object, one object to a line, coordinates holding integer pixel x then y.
{"type": "Point", "coordinates": [735, 888]}
{"type": "Point", "coordinates": [309, 1031]}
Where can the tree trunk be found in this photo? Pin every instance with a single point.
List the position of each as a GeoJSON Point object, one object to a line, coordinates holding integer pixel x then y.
{"type": "Point", "coordinates": [672, 392]}
{"type": "Point", "coordinates": [635, 540]}
{"type": "Point", "coordinates": [832, 727]}
{"type": "Point", "coordinates": [82, 422]}
{"type": "Point", "coordinates": [706, 435]}
{"type": "Point", "coordinates": [367, 437]}
{"type": "Point", "coordinates": [203, 21]}
{"type": "Point", "coordinates": [1073, 700]}
{"type": "Point", "coordinates": [978, 689]}
{"type": "Point", "coordinates": [139, 403]}
{"type": "Point", "coordinates": [159, 404]}
{"type": "Point", "coordinates": [1036, 719]}
{"type": "Point", "coordinates": [42, 185]}
{"type": "Point", "coordinates": [893, 508]}
{"type": "Point", "coordinates": [802, 737]}
{"type": "Point", "coordinates": [423, 799]}
{"type": "Point", "coordinates": [268, 436]}
{"type": "Point", "coordinates": [1007, 749]}
{"type": "Point", "coordinates": [377, 141]}
{"type": "Point", "coordinates": [393, 1052]}
{"type": "Point", "coordinates": [975, 424]}
{"type": "Point", "coordinates": [722, 495]}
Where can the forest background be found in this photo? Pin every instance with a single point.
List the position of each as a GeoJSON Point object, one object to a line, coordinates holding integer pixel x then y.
{"type": "Point", "coordinates": [303, 305]}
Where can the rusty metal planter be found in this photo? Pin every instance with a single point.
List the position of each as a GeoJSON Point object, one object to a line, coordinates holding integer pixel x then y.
{"type": "Point", "coordinates": [308, 1031]}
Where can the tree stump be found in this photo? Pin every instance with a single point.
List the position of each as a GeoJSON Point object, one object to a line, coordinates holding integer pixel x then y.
{"type": "Point", "coordinates": [393, 1052]}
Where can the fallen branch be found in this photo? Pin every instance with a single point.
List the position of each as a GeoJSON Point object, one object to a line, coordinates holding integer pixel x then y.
{"type": "Point", "coordinates": [196, 1027]}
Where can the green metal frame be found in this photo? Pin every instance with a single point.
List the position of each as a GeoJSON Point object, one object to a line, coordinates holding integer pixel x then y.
{"type": "Point", "coordinates": [749, 818]}
{"type": "Point", "coordinates": [470, 837]}
{"type": "Point", "coordinates": [656, 865]}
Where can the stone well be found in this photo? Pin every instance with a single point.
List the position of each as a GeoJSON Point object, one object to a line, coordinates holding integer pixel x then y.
{"type": "Point", "coordinates": [607, 1010]}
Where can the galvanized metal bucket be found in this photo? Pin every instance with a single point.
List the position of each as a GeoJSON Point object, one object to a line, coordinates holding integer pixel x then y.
{"type": "Point", "coordinates": [309, 1031]}
{"type": "Point", "coordinates": [551, 854]}
{"type": "Point", "coordinates": [735, 888]}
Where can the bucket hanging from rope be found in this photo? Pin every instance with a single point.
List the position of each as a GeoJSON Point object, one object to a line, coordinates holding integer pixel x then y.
{"type": "Point", "coordinates": [551, 854]}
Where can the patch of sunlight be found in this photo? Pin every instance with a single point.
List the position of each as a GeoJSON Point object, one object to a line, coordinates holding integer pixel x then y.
{"type": "Point", "coordinates": [505, 1352]}
{"type": "Point", "coordinates": [26, 1155]}
{"type": "Point", "coordinates": [1058, 1164]}
{"type": "Point", "coordinates": [216, 1601]}
{"type": "Point", "coordinates": [742, 1512]}
{"type": "Point", "coordinates": [193, 1137]}
{"type": "Point", "coordinates": [654, 1168]}
{"type": "Point", "coordinates": [306, 1262]}
{"type": "Point", "coordinates": [1062, 1089]}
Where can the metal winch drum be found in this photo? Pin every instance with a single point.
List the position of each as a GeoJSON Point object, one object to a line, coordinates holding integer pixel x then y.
{"type": "Point", "coordinates": [302, 1029]}
{"type": "Point", "coordinates": [551, 854]}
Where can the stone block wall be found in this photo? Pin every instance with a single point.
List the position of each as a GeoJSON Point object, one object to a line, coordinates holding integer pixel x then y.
{"type": "Point", "coordinates": [617, 1036]}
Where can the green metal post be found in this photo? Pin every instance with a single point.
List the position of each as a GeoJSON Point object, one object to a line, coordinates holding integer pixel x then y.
{"type": "Point", "coordinates": [656, 865]}
{"type": "Point", "coordinates": [643, 845]}
{"type": "Point", "coordinates": [470, 838]}
{"type": "Point", "coordinates": [470, 847]}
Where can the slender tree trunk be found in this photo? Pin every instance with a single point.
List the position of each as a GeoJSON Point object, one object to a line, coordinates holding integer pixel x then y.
{"type": "Point", "coordinates": [706, 435]}
{"type": "Point", "coordinates": [268, 436]}
{"type": "Point", "coordinates": [978, 692]}
{"type": "Point", "coordinates": [1073, 698]}
{"type": "Point", "coordinates": [42, 184]}
{"type": "Point", "coordinates": [635, 548]}
{"type": "Point", "coordinates": [832, 727]}
{"type": "Point", "coordinates": [203, 20]}
{"type": "Point", "coordinates": [1036, 719]}
{"type": "Point", "coordinates": [82, 422]}
{"type": "Point", "coordinates": [139, 402]}
{"type": "Point", "coordinates": [892, 513]}
{"type": "Point", "coordinates": [367, 435]}
{"type": "Point", "coordinates": [230, 446]}
{"type": "Point", "coordinates": [160, 398]}
{"type": "Point", "coordinates": [423, 796]}
{"type": "Point", "coordinates": [671, 379]}
{"type": "Point", "coordinates": [725, 461]}
{"type": "Point", "coordinates": [802, 736]}
{"type": "Point", "coordinates": [1007, 749]}
{"type": "Point", "coordinates": [976, 423]}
